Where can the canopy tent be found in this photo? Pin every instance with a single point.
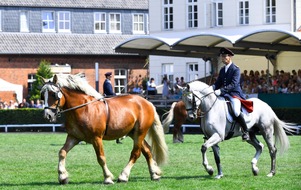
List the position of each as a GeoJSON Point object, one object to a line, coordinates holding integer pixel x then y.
{"type": "Point", "coordinates": [7, 86]}
{"type": "Point", "coordinates": [204, 44]}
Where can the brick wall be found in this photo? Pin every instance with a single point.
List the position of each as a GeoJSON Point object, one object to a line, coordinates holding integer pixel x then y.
{"type": "Point", "coordinates": [15, 68]}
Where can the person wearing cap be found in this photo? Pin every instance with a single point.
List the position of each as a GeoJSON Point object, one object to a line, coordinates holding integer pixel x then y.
{"type": "Point", "coordinates": [107, 85]}
{"type": "Point", "coordinates": [228, 85]}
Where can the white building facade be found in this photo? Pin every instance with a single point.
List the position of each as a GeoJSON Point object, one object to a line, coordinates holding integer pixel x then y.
{"type": "Point", "coordinates": [181, 18]}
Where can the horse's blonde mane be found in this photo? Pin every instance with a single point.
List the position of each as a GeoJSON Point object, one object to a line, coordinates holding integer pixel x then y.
{"type": "Point", "coordinates": [77, 82]}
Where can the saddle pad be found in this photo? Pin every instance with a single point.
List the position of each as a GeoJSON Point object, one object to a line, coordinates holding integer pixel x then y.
{"type": "Point", "coordinates": [247, 104]}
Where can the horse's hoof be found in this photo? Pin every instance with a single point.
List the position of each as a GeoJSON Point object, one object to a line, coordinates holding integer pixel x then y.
{"type": "Point", "coordinates": [156, 177]}
{"type": "Point", "coordinates": [108, 181]}
{"type": "Point", "coordinates": [122, 180]}
{"type": "Point", "coordinates": [219, 176]}
{"type": "Point", "coordinates": [210, 171]}
{"type": "Point", "coordinates": [271, 174]}
{"type": "Point", "coordinates": [255, 171]}
{"type": "Point", "coordinates": [64, 181]}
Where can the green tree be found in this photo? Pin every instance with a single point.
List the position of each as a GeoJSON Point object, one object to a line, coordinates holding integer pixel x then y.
{"type": "Point", "coordinates": [44, 71]}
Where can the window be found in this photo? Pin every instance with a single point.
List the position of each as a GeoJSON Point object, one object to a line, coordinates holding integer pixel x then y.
{"type": "Point", "coordinates": [138, 23]}
{"type": "Point", "coordinates": [30, 80]}
{"type": "Point", "coordinates": [244, 12]}
{"type": "Point", "coordinates": [120, 76]}
{"type": "Point", "coordinates": [217, 14]}
{"type": "Point", "coordinates": [48, 24]}
{"type": "Point", "coordinates": [192, 13]}
{"type": "Point", "coordinates": [64, 21]}
{"type": "Point", "coordinates": [270, 11]}
{"type": "Point", "coordinates": [115, 23]}
{"type": "Point", "coordinates": [168, 14]}
{"type": "Point", "coordinates": [193, 71]}
{"type": "Point", "coordinates": [99, 22]}
{"type": "Point", "coordinates": [24, 24]}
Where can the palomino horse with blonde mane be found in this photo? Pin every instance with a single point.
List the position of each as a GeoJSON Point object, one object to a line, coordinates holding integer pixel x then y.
{"type": "Point", "coordinates": [92, 118]}
{"type": "Point", "coordinates": [217, 124]}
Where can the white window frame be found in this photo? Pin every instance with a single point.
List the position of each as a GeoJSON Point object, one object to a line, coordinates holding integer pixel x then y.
{"type": "Point", "coordinates": [168, 16]}
{"type": "Point", "coordinates": [270, 11]}
{"type": "Point", "coordinates": [192, 71]}
{"type": "Point", "coordinates": [120, 81]}
{"type": "Point", "coordinates": [114, 23]}
{"type": "Point", "coordinates": [50, 22]}
{"type": "Point", "coordinates": [217, 16]}
{"type": "Point", "coordinates": [192, 14]}
{"type": "Point", "coordinates": [31, 78]}
{"type": "Point", "coordinates": [138, 23]}
{"type": "Point", "coordinates": [0, 20]}
{"type": "Point", "coordinates": [24, 21]}
{"type": "Point", "coordinates": [64, 21]}
{"type": "Point", "coordinates": [100, 22]}
{"type": "Point", "coordinates": [244, 12]}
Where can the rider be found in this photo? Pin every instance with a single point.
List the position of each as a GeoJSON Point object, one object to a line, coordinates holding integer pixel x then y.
{"type": "Point", "coordinates": [228, 84]}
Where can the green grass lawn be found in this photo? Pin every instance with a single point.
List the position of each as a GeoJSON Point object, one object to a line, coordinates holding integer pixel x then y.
{"type": "Point", "coordinates": [29, 161]}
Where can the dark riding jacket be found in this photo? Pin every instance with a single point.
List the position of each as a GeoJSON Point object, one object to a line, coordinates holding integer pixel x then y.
{"type": "Point", "coordinates": [229, 82]}
{"type": "Point", "coordinates": [107, 88]}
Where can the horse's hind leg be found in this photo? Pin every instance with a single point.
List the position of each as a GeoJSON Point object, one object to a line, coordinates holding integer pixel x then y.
{"type": "Point", "coordinates": [259, 147]}
{"type": "Point", "coordinates": [98, 147]}
{"type": "Point", "coordinates": [135, 154]}
{"type": "Point", "coordinates": [62, 172]}
{"type": "Point", "coordinates": [269, 139]}
{"type": "Point", "coordinates": [153, 168]}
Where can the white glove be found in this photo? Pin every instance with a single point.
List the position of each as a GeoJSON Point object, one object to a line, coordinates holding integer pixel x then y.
{"type": "Point", "coordinates": [217, 92]}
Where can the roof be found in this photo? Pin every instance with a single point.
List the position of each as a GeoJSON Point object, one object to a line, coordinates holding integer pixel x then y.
{"type": "Point", "coordinates": [200, 44]}
{"type": "Point", "coordinates": [58, 44]}
{"type": "Point", "coordinates": [107, 4]}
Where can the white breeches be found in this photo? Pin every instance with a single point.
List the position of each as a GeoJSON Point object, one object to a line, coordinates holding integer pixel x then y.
{"type": "Point", "coordinates": [236, 105]}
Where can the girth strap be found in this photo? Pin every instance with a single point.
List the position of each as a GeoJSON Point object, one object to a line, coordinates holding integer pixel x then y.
{"type": "Point", "coordinates": [108, 115]}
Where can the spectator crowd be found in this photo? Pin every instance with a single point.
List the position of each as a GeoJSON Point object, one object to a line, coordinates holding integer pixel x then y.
{"type": "Point", "coordinates": [252, 82]}
{"type": "Point", "coordinates": [24, 104]}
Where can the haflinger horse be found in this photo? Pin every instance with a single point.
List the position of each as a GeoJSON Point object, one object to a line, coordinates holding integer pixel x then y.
{"type": "Point", "coordinates": [216, 124]}
{"type": "Point", "coordinates": [92, 118]}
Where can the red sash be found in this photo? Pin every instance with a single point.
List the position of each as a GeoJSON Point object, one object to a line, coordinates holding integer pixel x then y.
{"type": "Point", "coordinates": [246, 104]}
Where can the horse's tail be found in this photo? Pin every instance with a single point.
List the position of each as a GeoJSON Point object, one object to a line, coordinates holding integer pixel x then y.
{"type": "Point", "coordinates": [280, 136]}
{"type": "Point", "coordinates": [168, 119]}
{"type": "Point", "coordinates": [157, 141]}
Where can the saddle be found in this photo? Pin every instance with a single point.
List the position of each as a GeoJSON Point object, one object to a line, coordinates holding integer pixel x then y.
{"type": "Point", "coordinates": [247, 106]}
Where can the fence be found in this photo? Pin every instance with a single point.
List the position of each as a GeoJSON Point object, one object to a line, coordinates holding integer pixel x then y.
{"type": "Point", "coordinates": [30, 126]}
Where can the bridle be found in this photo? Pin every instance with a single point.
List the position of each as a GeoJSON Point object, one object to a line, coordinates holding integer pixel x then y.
{"type": "Point", "coordinates": [58, 111]}
{"type": "Point", "coordinates": [194, 106]}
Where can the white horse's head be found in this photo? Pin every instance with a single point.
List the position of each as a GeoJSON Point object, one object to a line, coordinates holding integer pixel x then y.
{"type": "Point", "coordinates": [192, 96]}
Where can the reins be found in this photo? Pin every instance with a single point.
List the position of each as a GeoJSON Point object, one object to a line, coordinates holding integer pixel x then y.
{"type": "Point", "coordinates": [76, 107]}
{"type": "Point", "coordinates": [202, 114]}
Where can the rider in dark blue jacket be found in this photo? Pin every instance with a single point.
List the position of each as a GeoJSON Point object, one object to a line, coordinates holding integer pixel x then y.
{"type": "Point", "coordinates": [107, 86]}
{"type": "Point", "coordinates": [228, 84]}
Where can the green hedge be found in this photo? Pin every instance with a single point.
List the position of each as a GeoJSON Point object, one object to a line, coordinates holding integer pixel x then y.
{"type": "Point", "coordinates": [35, 116]}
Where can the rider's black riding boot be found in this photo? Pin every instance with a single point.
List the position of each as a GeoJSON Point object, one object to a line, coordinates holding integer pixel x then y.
{"type": "Point", "coordinates": [240, 119]}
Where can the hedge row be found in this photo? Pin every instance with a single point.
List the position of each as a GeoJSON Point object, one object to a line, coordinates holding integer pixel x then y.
{"type": "Point", "coordinates": [35, 116]}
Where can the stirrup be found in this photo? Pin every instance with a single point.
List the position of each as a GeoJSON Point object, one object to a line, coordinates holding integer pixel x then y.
{"type": "Point", "coordinates": [245, 137]}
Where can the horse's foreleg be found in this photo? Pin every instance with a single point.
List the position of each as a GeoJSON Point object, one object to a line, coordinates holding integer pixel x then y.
{"type": "Point", "coordinates": [62, 172]}
{"type": "Point", "coordinates": [259, 147]}
{"type": "Point", "coordinates": [217, 159]}
{"type": "Point", "coordinates": [98, 147]}
{"type": "Point", "coordinates": [177, 132]}
{"type": "Point", "coordinates": [213, 140]}
{"type": "Point", "coordinates": [153, 168]}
